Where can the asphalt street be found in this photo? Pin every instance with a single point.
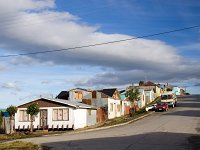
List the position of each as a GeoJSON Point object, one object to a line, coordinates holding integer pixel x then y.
{"type": "Point", "coordinates": [177, 129]}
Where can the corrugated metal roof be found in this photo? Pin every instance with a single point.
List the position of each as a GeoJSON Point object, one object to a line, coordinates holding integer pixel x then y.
{"type": "Point", "coordinates": [73, 103]}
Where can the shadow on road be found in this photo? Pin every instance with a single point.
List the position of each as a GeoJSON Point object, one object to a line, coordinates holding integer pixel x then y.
{"type": "Point", "coordinates": [190, 98]}
{"type": "Point", "coordinates": [189, 104]}
{"type": "Point", "coordinates": [188, 113]}
{"type": "Point", "coordinates": [154, 141]}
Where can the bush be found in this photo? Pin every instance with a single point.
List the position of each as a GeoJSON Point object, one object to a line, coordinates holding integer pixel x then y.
{"type": "Point", "coordinates": [142, 110]}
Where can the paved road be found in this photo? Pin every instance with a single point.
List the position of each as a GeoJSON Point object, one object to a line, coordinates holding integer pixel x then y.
{"type": "Point", "coordinates": [176, 129]}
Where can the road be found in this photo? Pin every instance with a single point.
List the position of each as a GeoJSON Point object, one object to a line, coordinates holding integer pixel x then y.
{"type": "Point", "coordinates": [177, 129]}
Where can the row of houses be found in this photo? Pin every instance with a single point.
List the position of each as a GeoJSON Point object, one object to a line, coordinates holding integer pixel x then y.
{"type": "Point", "coordinates": [79, 108]}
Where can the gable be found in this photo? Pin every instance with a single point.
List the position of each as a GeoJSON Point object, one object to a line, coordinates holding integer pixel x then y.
{"type": "Point", "coordinates": [116, 95]}
{"type": "Point", "coordinates": [108, 92]}
{"type": "Point", "coordinates": [63, 95]}
{"type": "Point", "coordinates": [43, 103]}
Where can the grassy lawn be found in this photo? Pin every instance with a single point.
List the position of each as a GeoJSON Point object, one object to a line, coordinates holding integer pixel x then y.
{"type": "Point", "coordinates": [19, 145]}
{"type": "Point", "coordinates": [7, 137]}
{"type": "Point", "coordinates": [21, 135]}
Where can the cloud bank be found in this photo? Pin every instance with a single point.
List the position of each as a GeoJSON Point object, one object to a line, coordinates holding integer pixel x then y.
{"type": "Point", "coordinates": [35, 25]}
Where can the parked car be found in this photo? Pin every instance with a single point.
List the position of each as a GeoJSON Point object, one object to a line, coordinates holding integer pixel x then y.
{"type": "Point", "coordinates": [151, 107]}
{"type": "Point", "coordinates": [162, 107]}
{"type": "Point", "coordinates": [169, 98]}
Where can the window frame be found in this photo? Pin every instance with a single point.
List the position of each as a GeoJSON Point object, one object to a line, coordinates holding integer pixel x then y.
{"type": "Point", "coordinates": [61, 113]}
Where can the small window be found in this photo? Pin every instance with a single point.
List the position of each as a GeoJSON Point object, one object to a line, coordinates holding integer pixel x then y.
{"type": "Point", "coordinates": [78, 95]}
{"type": "Point", "coordinates": [94, 94]}
{"type": "Point", "coordinates": [23, 116]}
{"type": "Point", "coordinates": [111, 107]}
{"type": "Point", "coordinates": [118, 108]}
{"type": "Point", "coordinates": [89, 112]}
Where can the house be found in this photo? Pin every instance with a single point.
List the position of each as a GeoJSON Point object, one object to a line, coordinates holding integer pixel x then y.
{"type": "Point", "coordinates": [109, 99]}
{"type": "Point", "coordinates": [177, 90]}
{"type": "Point", "coordinates": [149, 95]}
{"type": "Point", "coordinates": [56, 114]}
{"type": "Point", "coordinates": [156, 87]}
{"type": "Point", "coordinates": [78, 94]}
{"type": "Point", "coordinates": [126, 104]}
{"type": "Point", "coordinates": [142, 101]}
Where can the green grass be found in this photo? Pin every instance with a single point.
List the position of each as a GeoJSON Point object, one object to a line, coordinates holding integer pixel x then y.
{"type": "Point", "coordinates": [19, 145]}
{"type": "Point", "coordinates": [124, 119]}
{"type": "Point", "coordinates": [18, 135]}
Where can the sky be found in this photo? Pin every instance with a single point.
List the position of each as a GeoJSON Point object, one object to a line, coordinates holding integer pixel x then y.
{"type": "Point", "coordinates": [28, 26]}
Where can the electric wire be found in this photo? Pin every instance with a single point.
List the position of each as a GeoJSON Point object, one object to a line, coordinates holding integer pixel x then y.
{"type": "Point", "coordinates": [98, 44]}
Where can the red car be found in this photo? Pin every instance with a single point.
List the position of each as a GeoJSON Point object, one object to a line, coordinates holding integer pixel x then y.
{"type": "Point", "coordinates": [162, 107]}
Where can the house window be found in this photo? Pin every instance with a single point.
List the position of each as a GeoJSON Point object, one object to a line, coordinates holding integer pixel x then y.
{"type": "Point", "coordinates": [94, 94]}
{"type": "Point", "coordinates": [111, 107]}
{"type": "Point", "coordinates": [23, 116]}
{"type": "Point", "coordinates": [60, 114]}
{"type": "Point", "coordinates": [78, 95]}
{"type": "Point", "coordinates": [118, 108]}
{"type": "Point", "coordinates": [89, 112]}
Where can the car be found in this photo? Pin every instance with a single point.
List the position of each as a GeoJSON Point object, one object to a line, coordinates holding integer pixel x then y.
{"type": "Point", "coordinates": [162, 107]}
{"type": "Point", "coordinates": [169, 98]}
{"type": "Point", "coordinates": [151, 107]}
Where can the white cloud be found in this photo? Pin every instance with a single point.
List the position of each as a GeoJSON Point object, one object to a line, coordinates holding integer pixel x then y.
{"type": "Point", "coordinates": [191, 47]}
{"type": "Point", "coordinates": [10, 85]}
{"type": "Point", "coordinates": [25, 60]}
{"type": "Point", "coordinates": [19, 5]}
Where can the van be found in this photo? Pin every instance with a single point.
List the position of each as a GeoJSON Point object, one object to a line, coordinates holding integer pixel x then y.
{"type": "Point", "coordinates": [169, 98]}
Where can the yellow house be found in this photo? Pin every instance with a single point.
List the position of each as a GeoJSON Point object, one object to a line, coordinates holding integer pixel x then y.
{"type": "Point", "coordinates": [157, 89]}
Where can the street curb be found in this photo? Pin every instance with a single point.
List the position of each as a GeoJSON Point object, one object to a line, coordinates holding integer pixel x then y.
{"type": "Point", "coordinates": [112, 126]}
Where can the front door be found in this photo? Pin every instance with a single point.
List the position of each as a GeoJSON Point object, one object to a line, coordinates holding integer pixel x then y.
{"type": "Point", "coordinates": [43, 118]}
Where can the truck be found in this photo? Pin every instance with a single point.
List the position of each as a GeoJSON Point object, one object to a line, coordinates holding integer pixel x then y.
{"type": "Point", "coordinates": [169, 98]}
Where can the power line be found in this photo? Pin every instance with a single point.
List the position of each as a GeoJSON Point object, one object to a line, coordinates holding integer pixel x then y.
{"type": "Point", "coordinates": [98, 44]}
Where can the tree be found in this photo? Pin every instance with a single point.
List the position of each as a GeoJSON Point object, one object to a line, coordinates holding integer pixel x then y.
{"type": "Point", "coordinates": [11, 110]}
{"type": "Point", "coordinates": [141, 83]}
{"type": "Point", "coordinates": [33, 110]}
{"type": "Point", "coordinates": [134, 95]}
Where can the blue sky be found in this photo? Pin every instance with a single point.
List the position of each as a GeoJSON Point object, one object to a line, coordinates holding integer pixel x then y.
{"type": "Point", "coordinates": [38, 25]}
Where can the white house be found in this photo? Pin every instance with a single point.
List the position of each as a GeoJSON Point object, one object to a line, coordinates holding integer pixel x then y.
{"type": "Point", "coordinates": [149, 95]}
{"type": "Point", "coordinates": [56, 114]}
{"type": "Point", "coordinates": [142, 102]}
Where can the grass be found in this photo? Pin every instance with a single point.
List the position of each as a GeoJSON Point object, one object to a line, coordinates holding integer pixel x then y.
{"type": "Point", "coordinates": [127, 118]}
{"type": "Point", "coordinates": [8, 137]}
{"type": "Point", "coordinates": [21, 135]}
{"type": "Point", "coordinates": [19, 145]}
{"type": "Point", "coordinates": [124, 119]}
